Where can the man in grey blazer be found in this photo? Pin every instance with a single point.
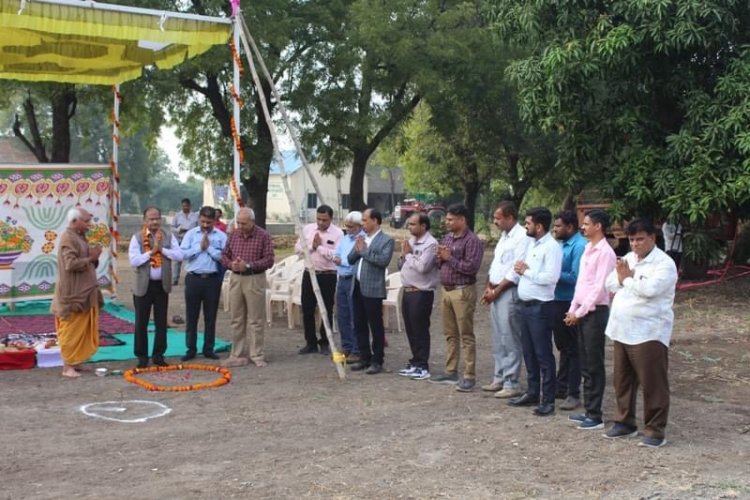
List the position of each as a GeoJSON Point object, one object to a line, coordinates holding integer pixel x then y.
{"type": "Point", "coordinates": [370, 258]}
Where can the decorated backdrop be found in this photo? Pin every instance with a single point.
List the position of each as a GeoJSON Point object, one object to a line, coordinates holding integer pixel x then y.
{"type": "Point", "coordinates": [34, 201]}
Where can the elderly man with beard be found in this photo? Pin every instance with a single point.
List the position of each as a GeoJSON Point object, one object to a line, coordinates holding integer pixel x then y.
{"type": "Point", "coordinates": [344, 286]}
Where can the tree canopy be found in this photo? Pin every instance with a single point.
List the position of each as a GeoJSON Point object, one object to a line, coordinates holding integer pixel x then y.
{"type": "Point", "coordinates": [650, 100]}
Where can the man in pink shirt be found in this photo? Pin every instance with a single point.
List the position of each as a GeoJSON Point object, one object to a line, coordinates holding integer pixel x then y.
{"type": "Point", "coordinates": [321, 238]}
{"type": "Point", "coordinates": [589, 311]}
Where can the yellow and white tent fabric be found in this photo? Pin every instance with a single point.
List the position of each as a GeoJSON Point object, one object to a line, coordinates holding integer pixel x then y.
{"type": "Point", "coordinates": [86, 42]}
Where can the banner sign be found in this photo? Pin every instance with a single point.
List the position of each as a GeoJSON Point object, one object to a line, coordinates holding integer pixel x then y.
{"type": "Point", "coordinates": [34, 202]}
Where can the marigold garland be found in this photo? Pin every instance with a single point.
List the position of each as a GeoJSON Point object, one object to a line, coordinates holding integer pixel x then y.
{"type": "Point", "coordinates": [131, 376]}
{"type": "Point", "coordinates": [155, 258]}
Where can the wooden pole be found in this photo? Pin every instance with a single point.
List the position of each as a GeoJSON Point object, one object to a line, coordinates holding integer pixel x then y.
{"type": "Point", "coordinates": [336, 355]}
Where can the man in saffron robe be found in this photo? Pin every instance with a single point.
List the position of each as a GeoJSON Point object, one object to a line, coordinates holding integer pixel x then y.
{"type": "Point", "coordinates": [77, 297]}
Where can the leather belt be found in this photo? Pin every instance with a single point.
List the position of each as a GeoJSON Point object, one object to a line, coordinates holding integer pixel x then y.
{"type": "Point", "coordinates": [203, 275]}
{"type": "Point", "coordinates": [249, 272]}
{"type": "Point", "coordinates": [534, 302]}
{"type": "Point", "coordinates": [413, 289]}
{"type": "Point", "coordinates": [348, 277]}
{"type": "Point", "coordinates": [325, 272]}
{"type": "Point", "coordinates": [450, 288]}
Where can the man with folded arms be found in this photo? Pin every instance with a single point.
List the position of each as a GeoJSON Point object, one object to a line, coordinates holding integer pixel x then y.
{"type": "Point", "coordinates": [502, 296]}
{"type": "Point", "coordinates": [344, 286]}
{"type": "Point", "coordinates": [202, 249]}
{"type": "Point", "coordinates": [460, 255]}
{"type": "Point", "coordinates": [151, 253]}
{"type": "Point", "coordinates": [640, 324]}
{"type": "Point", "coordinates": [321, 238]}
{"type": "Point", "coordinates": [589, 311]}
{"type": "Point", "coordinates": [539, 272]}
{"type": "Point", "coordinates": [248, 253]}
{"type": "Point", "coordinates": [419, 278]}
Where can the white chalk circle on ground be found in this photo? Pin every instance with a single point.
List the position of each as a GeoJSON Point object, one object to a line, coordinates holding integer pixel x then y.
{"type": "Point", "coordinates": [134, 411]}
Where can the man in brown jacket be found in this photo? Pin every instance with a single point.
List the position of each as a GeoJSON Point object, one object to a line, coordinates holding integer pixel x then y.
{"type": "Point", "coordinates": [77, 297]}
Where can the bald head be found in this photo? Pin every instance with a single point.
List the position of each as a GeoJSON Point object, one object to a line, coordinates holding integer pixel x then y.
{"type": "Point", "coordinates": [245, 220]}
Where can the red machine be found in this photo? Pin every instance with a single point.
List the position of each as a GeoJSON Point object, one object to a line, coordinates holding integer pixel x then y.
{"type": "Point", "coordinates": [409, 206]}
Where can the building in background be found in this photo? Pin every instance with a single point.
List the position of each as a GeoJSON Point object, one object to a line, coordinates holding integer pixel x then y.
{"type": "Point", "coordinates": [383, 188]}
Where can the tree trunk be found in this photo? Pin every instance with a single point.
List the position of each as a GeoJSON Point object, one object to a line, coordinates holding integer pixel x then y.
{"type": "Point", "coordinates": [36, 145]}
{"type": "Point", "coordinates": [471, 192]}
{"type": "Point", "coordinates": [357, 182]}
{"type": "Point", "coordinates": [63, 108]}
{"type": "Point", "coordinates": [259, 158]}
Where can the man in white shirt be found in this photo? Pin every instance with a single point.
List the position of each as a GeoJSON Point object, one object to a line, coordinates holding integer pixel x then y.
{"type": "Point", "coordinates": [640, 324]}
{"type": "Point", "coordinates": [182, 222]}
{"type": "Point", "coordinates": [502, 296]}
{"type": "Point", "coordinates": [673, 241]}
{"type": "Point", "coordinates": [539, 273]}
{"type": "Point", "coordinates": [151, 254]}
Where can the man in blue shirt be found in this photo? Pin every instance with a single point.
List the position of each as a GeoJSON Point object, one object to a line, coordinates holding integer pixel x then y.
{"type": "Point", "coordinates": [565, 230]}
{"type": "Point", "coordinates": [202, 247]}
{"type": "Point", "coordinates": [345, 273]}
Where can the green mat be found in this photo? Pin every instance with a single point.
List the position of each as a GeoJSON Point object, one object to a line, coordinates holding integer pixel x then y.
{"type": "Point", "coordinates": [175, 339]}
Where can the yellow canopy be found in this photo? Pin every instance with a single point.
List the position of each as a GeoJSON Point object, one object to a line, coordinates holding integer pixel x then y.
{"type": "Point", "coordinates": [87, 42]}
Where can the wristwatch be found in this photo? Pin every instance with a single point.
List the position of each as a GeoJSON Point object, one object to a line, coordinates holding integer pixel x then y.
{"type": "Point", "coordinates": [247, 267]}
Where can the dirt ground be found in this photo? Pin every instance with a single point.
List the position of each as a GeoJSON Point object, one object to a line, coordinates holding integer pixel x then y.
{"type": "Point", "coordinates": [293, 429]}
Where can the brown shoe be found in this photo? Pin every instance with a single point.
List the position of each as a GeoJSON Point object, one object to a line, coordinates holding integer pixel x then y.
{"type": "Point", "coordinates": [233, 361]}
{"type": "Point", "coordinates": [353, 358]}
{"type": "Point", "coordinates": [493, 387]}
{"type": "Point", "coordinates": [507, 392]}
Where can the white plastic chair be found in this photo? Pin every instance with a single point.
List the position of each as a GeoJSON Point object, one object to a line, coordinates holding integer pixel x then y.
{"type": "Point", "coordinates": [282, 289]}
{"type": "Point", "coordinates": [394, 290]}
{"type": "Point", "coordinates": [280, 268]}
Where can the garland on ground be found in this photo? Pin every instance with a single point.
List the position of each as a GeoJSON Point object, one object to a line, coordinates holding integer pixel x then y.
{"type": "Point", "coordinates": [131, 376]}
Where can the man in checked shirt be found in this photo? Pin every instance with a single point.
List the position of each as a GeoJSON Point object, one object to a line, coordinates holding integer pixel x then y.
{"type": "Point", "coordinates": [248, 253]}
{"type": "Point", "coordinates": [459, 258]}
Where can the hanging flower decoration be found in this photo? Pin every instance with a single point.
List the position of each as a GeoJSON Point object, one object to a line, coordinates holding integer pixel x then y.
{"type": "Point", "coordinates": [236, 192]}
{"type": "Point", "coordinates": [236, 57]}
{"type": "Point", "coordinates": [236, 96]}
{"type": "Point", "coordinates": [236, 138]}
{"type": "Point", "coordinates": [132, 377]}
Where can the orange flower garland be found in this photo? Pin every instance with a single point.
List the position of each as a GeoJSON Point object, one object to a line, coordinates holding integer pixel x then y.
{"type": "Point", "coordinates": [131, 376]}
{"type": "Point", "coordinates": [156, 258]}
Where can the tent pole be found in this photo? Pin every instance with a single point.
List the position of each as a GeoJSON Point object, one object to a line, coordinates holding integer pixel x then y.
{"type": "Point", "coordinates": [114, 199]}
{"type": "Point", "coordinates": [248, 40]}
{"type": "Point", "coordinates": [236, 115]}
{"type": "Point", "coordinates": [337, 356]}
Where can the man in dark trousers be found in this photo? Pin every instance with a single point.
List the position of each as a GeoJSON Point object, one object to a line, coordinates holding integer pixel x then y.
{"type": "Point", "coordinates": [321, 238]}
{"type": "Point", "coordinates": [370, 257]}
{"type": "Point", "coordinates": [419, 278]}
{"type": "Point", "coordinates": [151, 254]}
{"type": "Point", "coordinates": [201, 248]}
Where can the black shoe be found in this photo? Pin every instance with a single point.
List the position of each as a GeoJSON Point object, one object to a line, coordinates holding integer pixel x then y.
{"type": "Point", "coordinates": [210, 355]}
{"type": "Point", "coordinates": [142, 362]}
{"type": "Point", "coordinates": [359, 366]}
{"type": "Point", "coordinates": [159, 361]}
{"type": "Point", "coordinates": [374, 369]}
{"type": "Point", "coordinates": [545, 410]}
{"type": "Point", "coordinates": [325, 350]}
{"type": "Point", "coordinates": [524, 400]}
{"type": "Point", "coordinates": [308, 349]}
{"type": "Point", "coordinates": [188, 356]}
